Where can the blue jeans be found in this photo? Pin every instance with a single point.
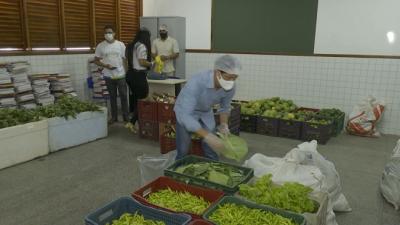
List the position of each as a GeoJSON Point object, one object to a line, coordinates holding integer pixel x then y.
{"type": "Point", "coordinates": [184, 140]}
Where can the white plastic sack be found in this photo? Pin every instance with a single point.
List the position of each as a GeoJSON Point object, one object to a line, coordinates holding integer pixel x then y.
{"type": "Point", "coordinates": [364, 118]}
{"type": "Point", "coordinates": [307, 154]}
{"type": "Point", "coordinates": [153, 166]}
{"type": "Point", "coordinates": [284, 170]}
{"type": "Point", "coordinates": [390, 183]}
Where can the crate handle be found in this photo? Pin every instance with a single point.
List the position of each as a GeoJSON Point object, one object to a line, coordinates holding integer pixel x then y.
{"type": "Point", "coordinates": [106, 215]}
{"type": "Point", "coordinates": [147, 192]}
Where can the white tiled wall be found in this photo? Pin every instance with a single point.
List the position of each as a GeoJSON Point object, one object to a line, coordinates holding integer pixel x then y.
{"type": "Point", "coordinates": [316, 81]}
{"type": "Point", "coordinates": [309, 81]}
{"type": "Point", "coordinates": [74, 64]}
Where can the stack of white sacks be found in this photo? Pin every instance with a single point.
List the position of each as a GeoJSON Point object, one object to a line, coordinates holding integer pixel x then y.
{"type": "Point", "coordinates": [41, 89]}
{"type": "Point", "coordinates": [61, 84]}
{"type": "Point", "coordinates": [23, 88]}
{"type": "Point", "coordinates": [306, 166]}
{"type": "Point", "coordinates": [7, 92]}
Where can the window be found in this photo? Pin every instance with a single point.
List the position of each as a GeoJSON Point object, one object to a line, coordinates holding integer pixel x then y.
{"type": "Point", "coordinates": [105, 12]}
{"type": "Point", "coordinates": [43, 24]}
{"type": "Point", "coordinates": [11, 25]}
{"type": "Point", "coordinates": [64, 25]}
{"type": "Point", "coordinates": [77, 24]}
{"type": "Point", "coordinates": [129, 20]}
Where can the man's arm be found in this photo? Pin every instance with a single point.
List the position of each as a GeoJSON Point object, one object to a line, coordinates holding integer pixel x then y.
{"type": "Point", "coordinates": [226, 107]}
{"type": "Point", "coordinates": [97, 61]}
{"type": "Point", "coordinates": [187, 108]}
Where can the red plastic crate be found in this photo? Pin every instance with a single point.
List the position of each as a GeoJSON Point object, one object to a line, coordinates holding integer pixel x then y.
{"type": "Point", "coordinates": [200, 222]}
{"type": "Point", "coordinates": [148, 130]}
{"type": "Point", "coordinates": [147, 110]}
{"type": "Point", "coordinates": [167, 144]}
{"type": "Point", "coordinates": [196, 148]}
{"type": "Point", "coordinates": [166, 113]}
{"type": "Point", "coordinates": [164, 127]}
{"type": "Point", "coordinates": [165, 182]}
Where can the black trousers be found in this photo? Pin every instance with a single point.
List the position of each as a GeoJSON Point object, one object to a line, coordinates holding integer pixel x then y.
{"type": "Point", "coordinates": [115, 87]}
{"type": "Point", "coordinates": [139, 89]}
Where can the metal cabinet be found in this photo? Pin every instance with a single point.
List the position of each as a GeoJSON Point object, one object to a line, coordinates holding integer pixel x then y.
{"type": "Point", "coordinates": [177, 30]}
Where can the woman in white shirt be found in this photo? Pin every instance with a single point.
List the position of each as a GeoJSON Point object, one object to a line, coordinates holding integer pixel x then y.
{"type": "Point", "coordinates": [138, 54]}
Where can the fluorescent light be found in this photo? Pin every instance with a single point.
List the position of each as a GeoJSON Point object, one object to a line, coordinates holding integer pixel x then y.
{"type": "Point", "coordinates": [78, 48]}
{"type": "Point", "coordinates": [391, 37]}
{"type": "Point", "coordinates": [10, 49]}
{"type": "Point", "coordinates": [45, 49]}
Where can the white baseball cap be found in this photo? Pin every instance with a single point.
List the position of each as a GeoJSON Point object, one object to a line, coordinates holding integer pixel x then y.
{"type": "Point", "coordinates": [163, 27]}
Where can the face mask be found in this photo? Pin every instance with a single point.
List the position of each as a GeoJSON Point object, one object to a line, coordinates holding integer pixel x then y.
{"type": "Point", "coordinates": [163, 35]}
{"type": "Point", "coordinates": [109, 37]}
{"type": "Point", "coordinates": [225, 84]}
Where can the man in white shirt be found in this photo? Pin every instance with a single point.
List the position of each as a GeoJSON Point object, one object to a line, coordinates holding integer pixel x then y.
{"type": "Point", "coordinates": [167, 48]}
{"type": "Point", "coordinates": [110, 54]}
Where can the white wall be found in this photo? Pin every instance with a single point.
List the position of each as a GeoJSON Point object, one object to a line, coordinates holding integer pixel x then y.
{"type": "Point", "coordinates": [196, 12]}
{"type": "Point", "coordinates": [316, 82]}
{"type": "Point", "coordinates": [310, 81]}
{"type": "Point", "coordinates": [343, 27]}
{"type": "Point", "coordinates": [357, 27]}
{"type": "Point", "coordinates": [149, 7]}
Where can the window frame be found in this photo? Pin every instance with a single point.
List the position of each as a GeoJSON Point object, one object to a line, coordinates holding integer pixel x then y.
{"type": "Point", "coordinates": [63, 49]}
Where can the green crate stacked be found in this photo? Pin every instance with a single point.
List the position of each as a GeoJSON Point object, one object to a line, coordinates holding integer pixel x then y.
{"type": "Point", "coordinates": [209, 173]}
{"type": "Point", "coordinates": [263, 116]}
{"type": "Point", "coordinates": [282, 118]}
{"type": "Point", "coordinates": [336, 116]}
{"type": "Point", "coordinates": [231, 209]}
{"type": "Point", "coordinates": [321, 124]}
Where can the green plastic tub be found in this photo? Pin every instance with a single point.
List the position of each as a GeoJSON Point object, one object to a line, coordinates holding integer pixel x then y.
{"type": "Point", "coordinates": [230, 190]}
{"type": "Point", "coordinates": [297, 218]}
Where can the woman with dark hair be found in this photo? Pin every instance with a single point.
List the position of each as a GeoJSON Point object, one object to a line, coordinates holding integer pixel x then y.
{"type": "Point", "coordinates": [138, 54]}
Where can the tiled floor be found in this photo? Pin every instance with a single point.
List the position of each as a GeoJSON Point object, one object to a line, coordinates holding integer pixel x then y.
{"type": "Point", "coordinates": [62, 188]}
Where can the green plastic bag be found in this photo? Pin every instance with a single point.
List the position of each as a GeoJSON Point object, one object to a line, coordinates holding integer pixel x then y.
{"type": "Point", "coordinates": [235, 147]}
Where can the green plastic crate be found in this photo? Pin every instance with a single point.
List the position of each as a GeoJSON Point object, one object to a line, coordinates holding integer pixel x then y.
{"type": "Point", "coordinates": [170, 172]}
{"type": "Point", "coordinates": [297, 218]}
{"type": "Point", "coordinates": [338, 125]}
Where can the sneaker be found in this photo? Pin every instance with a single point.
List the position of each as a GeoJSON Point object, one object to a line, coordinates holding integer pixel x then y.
{"type": "Point", "coordinates": [131, 127]}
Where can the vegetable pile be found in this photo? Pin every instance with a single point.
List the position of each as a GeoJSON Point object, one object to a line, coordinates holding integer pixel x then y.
{"type": "Point", "coordinates": [66, 107]}
{"type": "Point", "coordinates": [232, 214]}
{"type": "Point", "coordinates": [179, 201]}
{"type": "Point", "coordinates": [330, 113]}
{"type": "Point", "coordinates": [13, 117]}
{"type": "Point", "coordinates": [163, 98]}
{"type": "Point", "coordinates": [290, 196]}
{"type": "Point", "coordinates": [214, 172]}
{"type": "Point", "coordinates": [272, 107]}
{"type": "Point", "coordinates": [311, 117]}
{"type": "Point", "coordinates": [287, 110]}
{"type": "Point", "coordinates": [235, 147]}
{"type": "Point", "coordinates": [134, 219]}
